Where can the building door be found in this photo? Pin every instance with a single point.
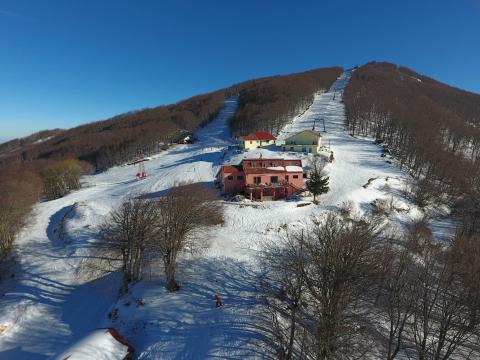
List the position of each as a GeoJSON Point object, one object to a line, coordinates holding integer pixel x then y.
{"type": "Point", "coordinates": [286, 178]}
{"type": "Point", "coordinates": [274, 179]}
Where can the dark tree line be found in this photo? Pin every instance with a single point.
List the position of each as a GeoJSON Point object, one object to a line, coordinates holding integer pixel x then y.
{"type": "Point", "coordinates": [432, 129]}
{"type": "Point", "coordinates": [268, 104]}
{"type": "Point", "coordinates": [343, 289]}
{"type": "Point", "coordinates": [119, 139]}
{"type": "Point", "coordinates": [20, 187]}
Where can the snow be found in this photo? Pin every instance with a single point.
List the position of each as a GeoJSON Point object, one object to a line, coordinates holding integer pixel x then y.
{"type": "Point", "coordinates": [43, 139]}
{"type": "Point", "coordinates": [52, 303]}
{"type": "Point", "coordinates": [98, 345]}
{"type": "Point", "coordinates": [276, 168]}
{"type": "Point", "coordinates": [291, 168]}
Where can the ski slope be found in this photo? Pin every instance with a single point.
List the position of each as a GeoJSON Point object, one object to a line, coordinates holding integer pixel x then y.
{"type": "Point", "coordinates": [51, 304]}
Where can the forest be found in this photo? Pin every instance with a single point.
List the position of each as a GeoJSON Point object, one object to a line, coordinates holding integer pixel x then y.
{"type": "Point", "coordinates": [119, 139]}
{"type": "Point", "coordinates": [268, 104]}
{"type": "Point", "coordinates": [431, 129]}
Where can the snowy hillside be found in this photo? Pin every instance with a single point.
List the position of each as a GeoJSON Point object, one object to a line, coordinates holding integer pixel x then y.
{"type": "Point", "coordinates": [50, 304]}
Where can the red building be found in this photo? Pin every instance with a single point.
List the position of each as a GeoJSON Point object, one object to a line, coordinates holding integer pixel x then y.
{"type": "Point", "coordinates": [262, 179]}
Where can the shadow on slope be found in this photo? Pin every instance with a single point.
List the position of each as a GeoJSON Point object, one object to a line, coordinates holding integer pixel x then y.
{"type": "Point", "coordinates": [186, 324]}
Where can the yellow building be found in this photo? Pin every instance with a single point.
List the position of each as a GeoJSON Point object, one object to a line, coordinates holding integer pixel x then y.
{"type": "Point", "coordinates": [257, 139]}
{"type": "Point", "coordinates": [307, 141]}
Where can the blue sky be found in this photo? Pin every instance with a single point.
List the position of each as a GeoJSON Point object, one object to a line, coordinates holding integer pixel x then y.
{"type": "Point", "coordinates": [67, 62]}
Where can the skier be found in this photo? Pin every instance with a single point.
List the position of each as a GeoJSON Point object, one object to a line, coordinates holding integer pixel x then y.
{"type": "Point", "coordinates": [218, 300]}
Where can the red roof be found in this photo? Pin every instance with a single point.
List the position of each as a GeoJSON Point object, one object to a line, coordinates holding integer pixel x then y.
{"type": "Point", "coordinates": [259, 135]}
{"type": "Point", "coordinates": [229, 169]}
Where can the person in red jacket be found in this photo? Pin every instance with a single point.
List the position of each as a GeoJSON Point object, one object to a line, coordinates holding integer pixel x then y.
{"type": "Point", "coordinates": [218, 300]}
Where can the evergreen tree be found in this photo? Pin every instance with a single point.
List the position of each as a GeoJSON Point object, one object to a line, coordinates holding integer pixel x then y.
{"type": "Point", "coordinates": [317, 184]}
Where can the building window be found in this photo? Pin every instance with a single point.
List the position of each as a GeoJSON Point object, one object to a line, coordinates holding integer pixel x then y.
{"type": "Point", "coordinates": [251, 142]}
{"type": "Point", "coordinates": [274, 179]}
{"type": "Point", "coordinates": [239, 177]}
{"type": "Point", "coordinates": [291, 148]}
{"type": "Point", "coordinates": [267, 141]}
{"type": "Point", "coordinates": [230, 177]}
{"type": "Point", "coordinates": [295, 176]}
{"type": "Point", "coordinates": [271, 163]}
{"type": "Point", "coordinates": [257, 141]}
{"type": "Point", "coordinates": [257, 179]}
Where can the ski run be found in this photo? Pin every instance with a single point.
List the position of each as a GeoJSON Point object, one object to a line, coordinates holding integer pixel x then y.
{"type": "Point", "coordinates": [52, 303]}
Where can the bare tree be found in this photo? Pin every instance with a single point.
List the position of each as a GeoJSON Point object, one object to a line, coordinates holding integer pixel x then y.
{"type": "Point", "coordinates": [62, 177]}
{"type": "Point", "coordinates": [341, 260]}
{"type": "Point", "coordinates": [125, 234]}
{"type": "Point", "coordinates": [446, 295]}
{"type": "Point", "coordinates": [286, 295]}
{"type": "Point", "coordinates": [18, 191]}
{"type": "Point", "coordinates": [182, 213]}
{"type": "Point", "coordinates": [395, 297]}
{"type": "Point", "coordinates": [319, 283]}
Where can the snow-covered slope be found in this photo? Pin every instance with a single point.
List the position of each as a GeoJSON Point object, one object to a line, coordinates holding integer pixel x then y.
{"type": "Point", "coordinates": [356, 160]}
{"type": "Point", "coordinates": [51, 305]}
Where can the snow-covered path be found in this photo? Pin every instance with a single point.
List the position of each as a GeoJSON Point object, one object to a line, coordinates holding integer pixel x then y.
{"type": "Point", "coordinates": [49, 304]}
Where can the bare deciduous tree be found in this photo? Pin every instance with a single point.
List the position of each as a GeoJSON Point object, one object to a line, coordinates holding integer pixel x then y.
{"type": "Point", "coordinates": [338, 273]}
{"type": "Point", "coordinates": [324, 275]}
{"type": "Point", "coordinates": [442, 320]}
{"type": "Point", "coordinates": [285, 295]}
{"type": "Point", "coordinates": [62, 177]}
{"type": "Point", "coordinates": [182, 214]}
{"type": "Point", "coordinates": [18, 191]}
{"type": "Point", "coordinates": [126, 233]}
{"type": "Point", "coordinates": [395, 297]}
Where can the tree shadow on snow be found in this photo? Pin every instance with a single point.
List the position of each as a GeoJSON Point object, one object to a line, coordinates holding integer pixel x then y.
{"type": "Point", "coordinates": [187, 325]}
{"type": "Point", "coordinates": [214, 157]}
{"type": "Point", "coordinates": [207, 185]}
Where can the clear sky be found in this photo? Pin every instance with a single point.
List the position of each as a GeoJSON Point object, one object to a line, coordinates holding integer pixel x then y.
{"type": "Point", "coordinates": [66, 62]}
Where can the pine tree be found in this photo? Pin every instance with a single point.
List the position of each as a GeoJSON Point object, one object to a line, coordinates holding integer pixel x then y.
{"type": "Point", "coordinates": [317, 184]}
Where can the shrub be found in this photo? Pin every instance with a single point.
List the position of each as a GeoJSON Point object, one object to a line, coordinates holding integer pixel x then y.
{"type": "Point", "coordinates": [62, 177]}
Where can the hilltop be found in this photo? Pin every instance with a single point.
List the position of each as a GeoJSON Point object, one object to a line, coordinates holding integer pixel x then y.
{"type": "Point", "coordinates": [54, 299]}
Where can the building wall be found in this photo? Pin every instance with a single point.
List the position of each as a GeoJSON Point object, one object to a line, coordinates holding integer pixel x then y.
{"type": "Point", "coordinates": [232, 182]}
{"type": "Point", "coordinates": [304, 141]}
{"type": "Point", "coordinates": [295, 178]}
{"type": "Point", "coordinates": [311, 149]}
{"type": "Point", "coordinates": [253, 144]}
